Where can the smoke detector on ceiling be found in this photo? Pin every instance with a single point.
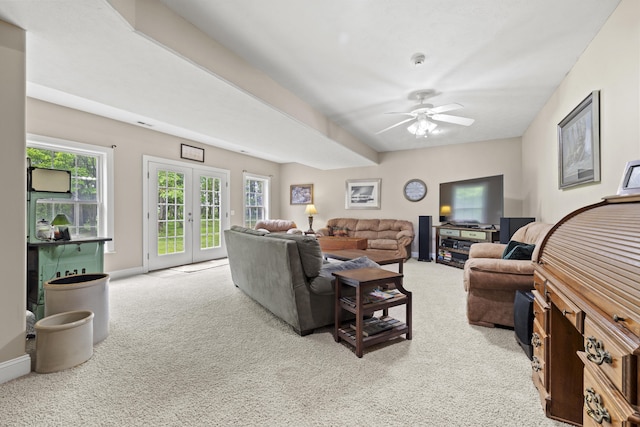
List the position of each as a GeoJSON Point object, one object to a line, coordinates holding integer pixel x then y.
{"type": "Point", "coordinates": [418, 59]}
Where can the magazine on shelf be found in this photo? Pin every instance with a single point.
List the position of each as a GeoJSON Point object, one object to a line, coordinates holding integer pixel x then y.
{"type": "Point", "coordinates": [373, 296]}
{"type": "Point", "coordinates": [382, 295]}
{"type": "Point", "coordinates": [373, 325]}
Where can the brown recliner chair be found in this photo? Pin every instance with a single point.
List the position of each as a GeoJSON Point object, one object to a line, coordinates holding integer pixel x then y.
{"type": "Point", "coordinates": [491, 282]}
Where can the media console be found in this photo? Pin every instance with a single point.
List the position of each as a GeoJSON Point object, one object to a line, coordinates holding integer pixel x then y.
{"type": "Point", "coordinates": [453, 243]}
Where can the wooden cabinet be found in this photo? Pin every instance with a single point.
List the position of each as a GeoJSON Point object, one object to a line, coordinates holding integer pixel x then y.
{"type": "Point", "coordinates": [587, 316]}
{"type": "Point", "coordinates": [453, 243]}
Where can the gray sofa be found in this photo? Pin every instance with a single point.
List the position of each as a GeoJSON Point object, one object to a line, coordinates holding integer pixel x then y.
{"type": "Point", "coordinates": [286, 274]}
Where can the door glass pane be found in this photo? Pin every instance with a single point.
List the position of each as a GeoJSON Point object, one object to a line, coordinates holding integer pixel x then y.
{"type": "Point", "coordinates": [170, 212]}
{"type": "Point", "coordinates": [209, 212]}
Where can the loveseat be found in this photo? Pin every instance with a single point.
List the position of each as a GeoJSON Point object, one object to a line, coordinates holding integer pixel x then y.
{"type": "Point", "coordinates": [491, 281]}
{"type": "Point", "coordinates": [391, 236]}
{"type": "Point", "coordinates": [286, 274]}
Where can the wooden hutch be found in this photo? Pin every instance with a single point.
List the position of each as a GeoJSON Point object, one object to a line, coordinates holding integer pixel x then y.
{"type": "Point", "coordinates": [587, 315]}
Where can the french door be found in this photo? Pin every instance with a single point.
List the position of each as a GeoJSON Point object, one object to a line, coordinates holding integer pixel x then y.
{"type": "Point", "coordinates": [187, 213]}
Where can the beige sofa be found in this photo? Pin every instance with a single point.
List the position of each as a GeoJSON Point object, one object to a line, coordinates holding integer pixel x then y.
{"type": "Point", "coordinates": [491, 282]}
{"type": "Point", "coordinates": [392, 236]}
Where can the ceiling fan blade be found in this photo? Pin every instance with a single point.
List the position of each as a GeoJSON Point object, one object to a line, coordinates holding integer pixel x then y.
{"type": "Point", "coordinates": [464, 121]}
{"type": "Point", "coordinates": [445, 108]}
{"type": "Point", "coordinates": [392, 126]}
{"type": "Point", "coordinates": [412, 113]}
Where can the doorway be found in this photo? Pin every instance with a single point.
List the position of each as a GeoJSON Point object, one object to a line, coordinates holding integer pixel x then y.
{"type": "Point", "coordinates": [186, 213]}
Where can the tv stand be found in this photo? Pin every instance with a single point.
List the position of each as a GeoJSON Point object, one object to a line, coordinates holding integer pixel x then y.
{"type": "Point", "coordinates": [453, 242]}
{"type": "Point", "coordinates": [462, 225]}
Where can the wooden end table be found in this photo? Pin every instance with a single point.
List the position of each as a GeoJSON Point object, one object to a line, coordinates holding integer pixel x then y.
{"type": "Point", "coordinates": [364, 280]}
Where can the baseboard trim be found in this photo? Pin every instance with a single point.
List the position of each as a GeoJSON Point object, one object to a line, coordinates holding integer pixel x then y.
{"type": "Point", "coordinates": [120, 274]}
{"type": "Point", "coordinates": [15, 368]}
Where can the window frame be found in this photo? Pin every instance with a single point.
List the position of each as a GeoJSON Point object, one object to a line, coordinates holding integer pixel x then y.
{"type": "Point", "coordinates": [105, 176]}
{"type": "Point", "coordinates": [255, 177]}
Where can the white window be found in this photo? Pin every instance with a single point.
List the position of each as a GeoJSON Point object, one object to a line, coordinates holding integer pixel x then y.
{"type": "Point", "coordinates": [90, 207]}
{"type": "Point", "coordinates": [256, 198]}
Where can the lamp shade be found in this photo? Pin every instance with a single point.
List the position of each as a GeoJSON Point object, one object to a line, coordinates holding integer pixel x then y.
{"type": "Point", "coordinates": [445, 210]}
{"type": "Point", "coordinates": [61, 219]}
{"type": "Point", "coordinates": [310, 210]}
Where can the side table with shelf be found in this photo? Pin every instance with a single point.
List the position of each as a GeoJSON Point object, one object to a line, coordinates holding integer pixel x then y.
{"type": "Point", "coordinates": [453, 243]}
{"type": "Point", "coordinates": [365, 280]}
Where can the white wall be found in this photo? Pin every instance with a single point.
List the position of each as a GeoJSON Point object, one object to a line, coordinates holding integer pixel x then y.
{"type": "Point", "coordinates": [132, 142]}
{"type": "Point", "coordinates": [432, 165]}
{"type": "Point", "coordinates": [610, 64]}
{"type": "Point", "coordinates": [13, 359]}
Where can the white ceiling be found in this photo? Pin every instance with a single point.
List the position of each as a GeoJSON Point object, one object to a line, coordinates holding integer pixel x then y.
{"type": "Point", "coordinates": [348, 59]}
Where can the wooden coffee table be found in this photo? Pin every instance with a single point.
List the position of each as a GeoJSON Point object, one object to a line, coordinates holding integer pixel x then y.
{"type": "Point", "coordinates": [330, 243]}
{"type": "Point", "coordinates": [380, 258]}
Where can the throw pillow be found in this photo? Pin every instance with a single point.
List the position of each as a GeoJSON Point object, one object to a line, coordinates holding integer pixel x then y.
{"type": "Point", "coordinates": [518, 250]}
{"type": "Point", "coordinates": [340, 231]}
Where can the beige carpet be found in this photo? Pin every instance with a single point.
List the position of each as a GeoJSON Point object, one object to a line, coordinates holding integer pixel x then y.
{"type": "Point", "coordinates": [205, 265]}
{"type": "Point", "coordinates": [190, 349]}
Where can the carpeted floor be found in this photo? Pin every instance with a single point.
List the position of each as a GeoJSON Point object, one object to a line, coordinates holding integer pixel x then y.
{"type": "Point", "coordinates": [190, 349]}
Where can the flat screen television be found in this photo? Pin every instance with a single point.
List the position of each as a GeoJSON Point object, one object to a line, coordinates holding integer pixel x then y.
{"type": "Point", "coordinates": [473, 202]}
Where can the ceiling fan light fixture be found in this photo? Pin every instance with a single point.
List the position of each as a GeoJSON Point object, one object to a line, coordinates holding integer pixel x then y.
{"type": "Point", "coordinates": [419, 128]}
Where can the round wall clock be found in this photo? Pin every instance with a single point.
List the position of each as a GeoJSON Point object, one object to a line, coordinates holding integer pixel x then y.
{"type": "Point", "coordinates": [415, 190]}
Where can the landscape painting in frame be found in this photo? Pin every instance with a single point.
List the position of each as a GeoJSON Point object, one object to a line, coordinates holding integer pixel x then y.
{"type": "Point", "coordinates": [362, 194]}
{"type": "Point", "coordinates": [301, 194]}
{"type": "Point", "coordinates": [579, 144]}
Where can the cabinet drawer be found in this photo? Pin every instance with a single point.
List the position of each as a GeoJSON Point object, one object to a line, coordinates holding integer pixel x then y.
{"type": "Point", "coordinates": [603, 404]}
{"type": "Point", "coordinates": [605, 352]}
{"type": "Point", "coordinates": [539, 285]}
{"type": "Point", "coordinates": [480, 235]}
{"type": "Point", "coordinates": [568, 309]}
{"type": "Point", "coordinates": [540, 308]}
{"type": "Point", "coordinates": [539, 343]}
{"type": "Point", "coordinates": [537, 368]}
{"type": "Point", "coordinates": [451, 233]}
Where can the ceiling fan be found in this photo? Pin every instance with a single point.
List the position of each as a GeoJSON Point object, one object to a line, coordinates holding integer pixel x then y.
{"type": "Point", "coordinates": [423, 116]}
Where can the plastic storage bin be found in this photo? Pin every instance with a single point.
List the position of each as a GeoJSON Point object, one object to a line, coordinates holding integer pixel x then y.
{"type": "Point", "coordinates": [63, 340]}
{"type": "Point", "coordinates": [81, 292]}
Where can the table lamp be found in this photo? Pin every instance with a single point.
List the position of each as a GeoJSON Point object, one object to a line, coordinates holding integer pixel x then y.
{"type": "Point", "coordinates": [445, 211]}
{"type": "Point", "coordinates": [311, 211]}
{"type": "Point", "coordinates": [61, 231]}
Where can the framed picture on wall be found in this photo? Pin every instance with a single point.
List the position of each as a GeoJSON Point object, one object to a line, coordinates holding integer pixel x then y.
{"type": "Point", "coordinates": [579, 144]}
{"type": "Point", "coordinates": [191, 153]}
{"type": "Point", "coordinates": [362, 194]}
{"type": "Point", "coordinates": [301, 194]}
